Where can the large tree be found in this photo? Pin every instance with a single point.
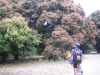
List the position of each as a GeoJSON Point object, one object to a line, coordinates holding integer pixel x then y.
{"type": "Point", "coordinates": [95, 17]}
{"type": "Point", "coordinates": [61, 23]}
{"type": "Point", "coordinates": [14, 33]}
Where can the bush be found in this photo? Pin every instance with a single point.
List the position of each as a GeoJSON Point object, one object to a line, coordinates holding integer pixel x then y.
{"type": "Point", "coordinates": [14, 33]}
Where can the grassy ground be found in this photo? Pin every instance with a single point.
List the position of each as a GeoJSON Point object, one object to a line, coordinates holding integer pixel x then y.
{"type": "Point", "coordinates": [91, 66]}
{"type": "Point", "coordinates": [36, 68]}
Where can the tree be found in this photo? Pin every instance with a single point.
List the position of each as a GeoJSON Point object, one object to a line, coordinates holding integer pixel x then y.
{"type": "Point", "coordinates": [95, 17]}
{"type": "Point", "coordinates": [98, 43]}
{"type": "Point", "coordinates": [4, 43]}
{"type": "Point", "coordinates": [14, 33]}
{"type": "Point", "coordinates": [30, 45]}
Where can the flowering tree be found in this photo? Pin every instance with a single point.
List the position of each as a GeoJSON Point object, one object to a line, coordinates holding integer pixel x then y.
{"type": "Point", "coordinates": [60, 23]}
{"type": "Point", "coordinates": [95, 17]}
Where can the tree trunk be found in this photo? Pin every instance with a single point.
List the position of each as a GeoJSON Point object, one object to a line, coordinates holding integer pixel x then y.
{"type": "Point", "coordinates": [16, 56]}
{"type": "Point", "coordinates": [4, 57]}
{"type": "Point", "coordinates": [16, 53]}
{"type": "Point", "coordinates": [24, 52]}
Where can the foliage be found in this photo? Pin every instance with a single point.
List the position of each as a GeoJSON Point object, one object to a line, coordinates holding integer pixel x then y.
{"type": "Point", "coordinates": [2, 14]}
{"type": "Point", "coordinates": [14, 33]}
{"type": "Point", "coordinates": [17, 32]}
{"type": "Point", "coordinates": [14, 7]}
{"type": "Point", "coordinates": [95, 17]}
{"type": "Point", "coordinates": [66, 24]}
{"type": "Point", "coordinates": [98, 44]}
{"type": "Point", "coordinates": [30, 45]}
{"type": "Point", "coordinates": [58, 23]}
{"type": "Point", "coordinates": [2, 4]}
{"type": "Point", "coordinates": [15, 1]}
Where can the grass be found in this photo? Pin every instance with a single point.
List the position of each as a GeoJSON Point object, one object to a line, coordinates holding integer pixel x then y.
{"type": "Point", "coordinates": [35, 68]}
{"type": "Point", "coordinates": [16, 63]}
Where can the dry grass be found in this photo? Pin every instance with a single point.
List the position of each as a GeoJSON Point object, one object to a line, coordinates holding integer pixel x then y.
{"type": "Point", "coordinates": [36, 68]}
{"type": "Point", "coordinates": [52, 68]}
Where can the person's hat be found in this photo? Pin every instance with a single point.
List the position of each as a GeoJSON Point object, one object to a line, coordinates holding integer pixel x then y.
{"type": "Point", "coordinates": [77, 43]}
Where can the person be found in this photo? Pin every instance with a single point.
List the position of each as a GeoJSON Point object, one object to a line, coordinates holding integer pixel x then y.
{"type": "Point", "coordinates": [76, 57]}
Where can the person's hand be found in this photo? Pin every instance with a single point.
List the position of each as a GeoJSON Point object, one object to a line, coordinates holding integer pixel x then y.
{"type": "Point", "coordinates": [72, 62]}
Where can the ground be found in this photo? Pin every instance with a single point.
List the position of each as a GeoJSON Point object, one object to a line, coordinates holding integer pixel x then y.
{"type": "Point", "coordinates": [90, 67]}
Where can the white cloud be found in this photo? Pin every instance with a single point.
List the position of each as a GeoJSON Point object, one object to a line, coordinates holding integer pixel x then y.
{"type": "Point", "coordinates": [89, 6]}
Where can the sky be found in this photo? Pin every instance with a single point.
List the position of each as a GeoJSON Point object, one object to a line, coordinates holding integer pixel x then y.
{"type": "Point", "coordinates": [89, 6]}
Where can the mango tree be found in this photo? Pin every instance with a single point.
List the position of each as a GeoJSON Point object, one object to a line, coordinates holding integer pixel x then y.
{"type": "Point", "coordinates": [14, 33]}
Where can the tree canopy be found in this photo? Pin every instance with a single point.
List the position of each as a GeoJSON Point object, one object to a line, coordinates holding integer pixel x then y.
{"type": "Point", "coordinates": [56, 23]}
{"type": "Point", "coordinates": [14, 33]}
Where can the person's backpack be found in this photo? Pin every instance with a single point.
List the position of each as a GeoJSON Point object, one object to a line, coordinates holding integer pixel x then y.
{"type": "Point", "coordinates": [77, 54]}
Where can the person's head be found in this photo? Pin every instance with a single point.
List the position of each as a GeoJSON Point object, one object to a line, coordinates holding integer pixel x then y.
{"type": "Point", "coordinates": [77, 45]}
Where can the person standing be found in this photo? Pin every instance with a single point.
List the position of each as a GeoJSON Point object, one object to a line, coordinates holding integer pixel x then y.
{"type": "Point", "coordinates": [76, 57]}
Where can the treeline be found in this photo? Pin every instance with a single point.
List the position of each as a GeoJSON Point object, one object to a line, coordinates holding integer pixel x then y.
{"type": "Point", "coordinates": [95, 17]}
{"type": "Point", "coordinates": [49, 28]}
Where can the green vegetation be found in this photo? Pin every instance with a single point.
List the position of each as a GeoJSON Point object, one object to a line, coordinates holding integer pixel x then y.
{"type": "Point", "coordinates": [13, 36]}
{"type": "Point", "coordinates": [56, 23]}
{"type": "Point", "coordinates": [95, 17]}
